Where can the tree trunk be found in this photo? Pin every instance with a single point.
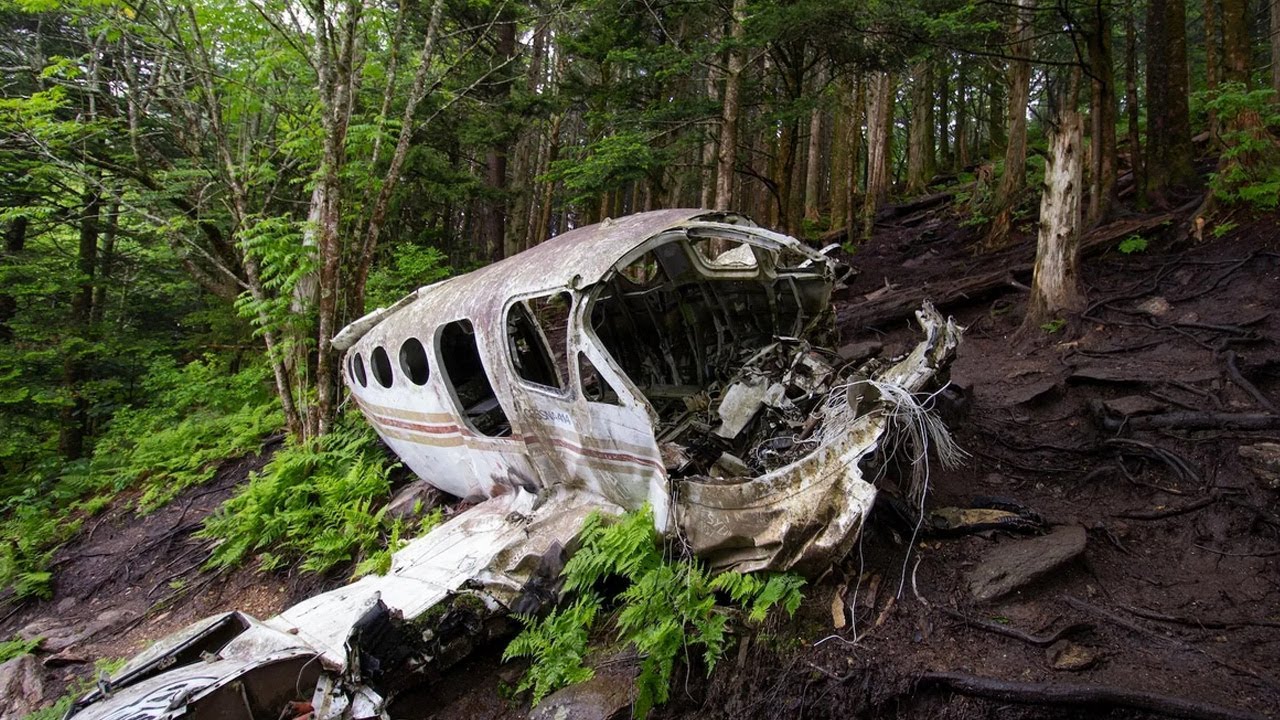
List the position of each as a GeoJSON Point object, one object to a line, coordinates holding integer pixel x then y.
{"type": "Point", "coordinates": [1014, 177]}
{"type": "Point", "coordinates": [944, 114]}
{"type": "Point", "coordinates": [15, 241]}
{"type": "Point", "coordinates": [71, 426]}
{"type": "Point", "coordinates": [813, 159]}
{"type": "Point", "coordinates": [920, 160]}
{"type": "Point", "coordinates": [1168, 156]}
{"type": "Point", "coordinates": [997, 115]}
{"type": "Point", "coordinates": [839, 179]}
{"type": "Point", "coordinates": [106, 261]}
{"type": "Point", "coordinates": [707, 187]}
{"type": "Point", "coordinates": [1055, 285]}
{"type": "Point", "coordinates": [1235, 41]}
{"type": "Point", "coordinates": [961, 159]}
{"type": "Point", "coordinates": [879, 120]}
{"type": "Point", "coordinates": [1131, 98]}
{"type": "Point", "coordinates": [729, 114]}
{"type": "Point", "coordinates": [1274, 12]}
{"type": "Point", "coordinates": [1212, 59]}
{"type": "Point", "coordinates": [1102, 117]}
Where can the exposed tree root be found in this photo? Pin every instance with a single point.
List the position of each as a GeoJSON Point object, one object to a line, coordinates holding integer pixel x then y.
{"type": "Point", "coordinates": [1016, 634]}
{"type": "Point", "coordinates": [1077, 694]}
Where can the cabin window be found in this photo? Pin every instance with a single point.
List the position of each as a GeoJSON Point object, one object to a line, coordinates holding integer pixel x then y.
{"type": "Point", "coordinates": [413, 361]}
{"type": "Point", "coordinates": [537, 334]}
{"type": "Point", "coordinates": [465, 374]}
{"type": "Point", "coordinates": [357, 370]}
{"type": "Point", "coordinates": [381, 365]}
{"type": "Point", "coordinates": [594, 387]}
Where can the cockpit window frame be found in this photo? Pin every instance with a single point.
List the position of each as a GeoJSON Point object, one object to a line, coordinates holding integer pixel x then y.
{"type": "Point", "coordinates": [568, 391]}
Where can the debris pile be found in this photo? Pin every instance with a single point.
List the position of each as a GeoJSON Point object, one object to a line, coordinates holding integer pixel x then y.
{"type": "Point", "coordinates": [769, 414]}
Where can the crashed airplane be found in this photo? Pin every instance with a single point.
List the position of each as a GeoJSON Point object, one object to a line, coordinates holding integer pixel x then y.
{"type": "Point", "coordinates": [679, 359]}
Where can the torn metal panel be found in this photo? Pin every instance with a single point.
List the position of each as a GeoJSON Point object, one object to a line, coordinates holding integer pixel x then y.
{"type": "Point", "coordinates": [683, 359]}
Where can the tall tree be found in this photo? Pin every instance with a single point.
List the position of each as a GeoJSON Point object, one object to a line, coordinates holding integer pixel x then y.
{"type": "Point", "coordinates": [1168, 152]}
{"type": "Point", "coordinates": [725, 166]}
{"type": "Point", "coordinates": [1014, 176]}
{"type": "Point", "coordinates": [920, 148]}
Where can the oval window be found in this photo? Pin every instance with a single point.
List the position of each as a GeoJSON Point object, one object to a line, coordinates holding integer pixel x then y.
{"type": "Point", "coordinates": [413, 361]}
{"type": "Point", "coordinates": [357, 370]}
{"type": "Point", "coordinates": [381, 366]}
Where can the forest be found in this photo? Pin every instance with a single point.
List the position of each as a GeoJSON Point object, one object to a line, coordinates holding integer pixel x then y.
{"type": "Point", "coordinates": [198, 194]}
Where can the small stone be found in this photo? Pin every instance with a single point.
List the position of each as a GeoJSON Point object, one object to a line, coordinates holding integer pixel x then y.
{"type": "Point", "coordinates": [1012, 566]}
{"type": "Point", "coordinates": [1155, 306]}
{"type": "Point", "coordinates": [1263, 459]}
{"type": "Point", "coordinates": [1066, 655]}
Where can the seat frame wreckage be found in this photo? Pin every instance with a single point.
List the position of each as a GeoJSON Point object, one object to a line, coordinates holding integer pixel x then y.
{"type": "Point", "coordinates": [679, 359]}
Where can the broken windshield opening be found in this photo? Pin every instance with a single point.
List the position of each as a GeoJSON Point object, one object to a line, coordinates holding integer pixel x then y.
{"type": "Point", "coordinates": [710, 334]}
{"type": "Point", "coordinates": [466, 376]}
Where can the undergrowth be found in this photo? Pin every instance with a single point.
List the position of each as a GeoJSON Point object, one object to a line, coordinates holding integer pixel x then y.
{"type": "Point", "coordinates": [314, 504]}
{"type": "Point", "coordinates": [199, 414]}
{"type": "Point", "coordinates": [669, 607]}
{"type": "Point", "coordinates": [17, 647]}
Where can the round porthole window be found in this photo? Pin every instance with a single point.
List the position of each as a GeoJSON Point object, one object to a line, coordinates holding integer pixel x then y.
{"type": "Point", "coordinates": [413, 361]}
{"type": "Point", "coordinates": [357, 370]}
{"type": "Point", "coordinates": [381, 366]}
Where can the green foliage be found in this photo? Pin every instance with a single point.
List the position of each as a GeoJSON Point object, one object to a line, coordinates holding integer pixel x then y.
{"type": "Point", "coordinates": [411, 267]}
{"type": "Point", "coordinates": [313, 503]}
{"type": "Point", "coordinates": [606, 165]}
{"type": "Point", "coordinates": [1132, 244]}
{"type": "Point", "coordinates": [199, 414]}
{"type": "Point", "coordinates": [1054, 326]}
{"type": "Point", "coordinates": [17, 647]}
{"type": "Point", "coordinates": [667, 608]}
{"type": "Point", "coordinates": [1250, 172]}
{"type": "Point", "coordinates": [1221, 229]}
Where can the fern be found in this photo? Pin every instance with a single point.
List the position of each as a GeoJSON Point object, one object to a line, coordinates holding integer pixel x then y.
{"type": "Point", "coordinates": [17, 647]}
{"type": "Point", "coordinates": [668, 607]}
{"type": "Point", "coordinates": [316, 504]}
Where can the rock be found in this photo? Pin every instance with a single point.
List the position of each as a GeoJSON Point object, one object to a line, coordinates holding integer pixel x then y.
{"type": "Point", "coordinates": [859, 351]}
{"type": "Point", "coordinates": [1155, 306]}
{"type": "Point", "coordinates": [1010, 566]}
{"type": "Point", "coordinates": [1131, 405]}
{"type": "Point", "coordinates": [22, 687]}
{"type": "Point", "coordinates": [1263, 459]}
{"type": "Point", "coordinates": [606, 696]}
{"type": "Point", "coordinates": [414, 499]}
{"type": "Point", "coordinates": [58, 636]}
{"type": "Point", "coordinates": [1066, 655]}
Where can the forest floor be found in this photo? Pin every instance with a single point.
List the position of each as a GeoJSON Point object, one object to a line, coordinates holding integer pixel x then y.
{"type": "Point", "coordinates": [1176, 594]}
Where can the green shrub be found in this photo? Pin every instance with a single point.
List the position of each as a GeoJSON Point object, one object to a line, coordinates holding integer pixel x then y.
{"type": "Point", "coordinates": [1132, 244]}
{"type": "Point", "coordinates": [199, 415]}
{"type": "Point", "coordinates": [1250, 173]}
{"type": "Point", "coordinates": [667, 608]}
{"type": "Point", "coordinates": [313, 503]}
{"type": "Point", "coordinates": [17, 647]}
